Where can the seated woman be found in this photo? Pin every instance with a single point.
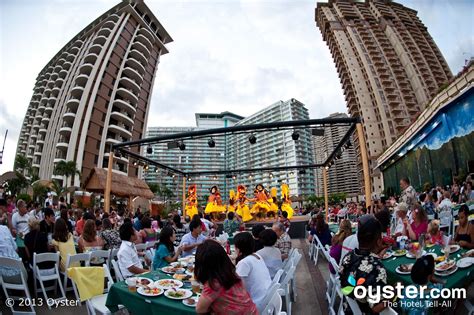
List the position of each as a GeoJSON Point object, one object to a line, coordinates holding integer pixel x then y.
{"type": "Point", "coordinates": [321, 230]}
{"type": "Point", "coordinates": [465, 231]}
{"type": "Point", "coordinates": [419, 224]}
{"type": "Point", "coordinates": [345, 230]}
{"type": "Point", "coordinates": [224, 292]}
{"type": "Point", "coordinates": [165, 253]}
{"type": "Point", "coordinates": [63, 242]}
{"type": "Point", "coordinates": [90, 241]}
{"type": "Point", "coordinates": [37, 242]}
{"type": "Point", "coordinates": [251, 268]}
{"type": "Point", "coordinates": [434, 235]}
{"type": "Point", "coordinates": [147, 234]}
{"type": "Point", "coordinates": [270, 254]}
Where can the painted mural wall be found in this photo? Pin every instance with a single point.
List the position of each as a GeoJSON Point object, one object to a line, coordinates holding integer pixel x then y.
{"type": "Point", "coordinates": [442, 150]}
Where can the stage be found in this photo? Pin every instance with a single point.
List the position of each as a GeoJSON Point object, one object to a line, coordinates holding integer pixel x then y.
{"type": "Point", "coordinates": [297, 227]}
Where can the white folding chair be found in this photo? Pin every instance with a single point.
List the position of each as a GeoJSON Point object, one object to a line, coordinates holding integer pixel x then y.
{"type": "Point", "coordinates": [339, 308]}
{"type": "Point", "coordinates": [150, 249]}
{"type": "Point", "coordinates": [83, 258]}
{"type": "Point", "coordinates": [333, 283]}
{"type": "Point", "coordinates": [273, 289]}
{"type": "Point", "coordinates": [445, 219]}
{"type": "Point", "coordinates": [319, 247]}
{"type": "Point", "coordinates": [274, 305]}
{"type": "Point", "coordinates": [17, 283]}
{"type": "Point", "coordinates": [118, 273]}
{"type": "Point", "coordinates": [113, 254]}
{"type": "Point", "coordinates": [277, 276]}
{"type": "Point", "coordinates": [388, 311]}
{"type": "Point", "coordinates": [52, 274]}
{"type": "Point", "coordinates": [96, 304]}
{"type": "Point", "coordinates": [353, 306]}
{"type": "Point", "coordinates": [285, 288]}
{"type": "Point", "coordinates": [102, 253]}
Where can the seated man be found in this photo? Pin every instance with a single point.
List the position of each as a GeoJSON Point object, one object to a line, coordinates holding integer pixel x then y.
{"type": "Point", "coordinates": [284, 241]}
{"type": "Point", "coordinates": [363, 262]}
{"type": "Point", "coordinates": [231, 224]}
{"type": "Point", "coordinates": [128, 260]}
{"type": "Point", "coordinates": [193, 239]}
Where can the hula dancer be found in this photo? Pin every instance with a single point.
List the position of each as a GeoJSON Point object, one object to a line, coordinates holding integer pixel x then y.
{"type": "Point", "coordinates": [273, 203]}
{"type": "Point", "coordinates": [242, 208]}
{"type": "Point", "coordinates": [191, 202]}
{"type": "Point", "coordinates": [285, 197]}
{"type": "Point", "coordinates": [262, 206]}
{"type": "Point", "coordinates": [214, 203]}
{"type": "Point", "coordinates": [231, 206]}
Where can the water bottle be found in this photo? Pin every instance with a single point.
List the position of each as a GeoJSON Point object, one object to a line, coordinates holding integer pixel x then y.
{"type": "Point", "coordinates": [402, 243]}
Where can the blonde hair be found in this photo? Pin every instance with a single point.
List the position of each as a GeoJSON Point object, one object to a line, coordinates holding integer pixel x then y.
{"type": "Point", "coordinates": [433, 227]}
{"type": "Point", "coordinates": [34, 224]}
{"type": "Point", "coordinates": [345, 230]}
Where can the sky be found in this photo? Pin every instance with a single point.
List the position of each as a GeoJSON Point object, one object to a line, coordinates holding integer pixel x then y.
{"type": "Point", "coordinates": [227, 55]}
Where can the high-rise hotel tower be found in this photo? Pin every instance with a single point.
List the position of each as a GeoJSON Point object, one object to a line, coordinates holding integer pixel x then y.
{"type": "Point", "coordinates": [388, 64]}
{"type": "Point", "coordinates": [95, 92]}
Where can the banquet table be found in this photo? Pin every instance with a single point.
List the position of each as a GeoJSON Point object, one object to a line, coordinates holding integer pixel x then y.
{"type": "Point", "coordinates": [144, 305]}
{"type": "Point", "coordinates": [461, 278]}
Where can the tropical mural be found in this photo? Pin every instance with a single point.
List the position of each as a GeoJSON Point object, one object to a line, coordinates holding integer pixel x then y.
{"type": "Point", "coordinates": [441, 151]}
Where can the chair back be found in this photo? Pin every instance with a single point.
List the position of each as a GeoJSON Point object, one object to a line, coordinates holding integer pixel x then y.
{"type": "Point", "coordinates": [277, 277]}
{"type": "Point", "coordinates": [101, 253]}
{"type": "Point", "coordinates": [140, 247]}
{"type": "Point", "coordinates": [118, 273]}
{"type": "Point", "coordinates": [44, 257]}
{"type": "Point", "coordinates": [288, 276]}
{"type": "Point", "coordinates": [274, 305]}
{"type": "Point", "coordinates": [113, 253]}
{"type": "Point", "coordinates": [16, 264]}
{"type": "Point", "coordinates": [268, 296]}
{"type": "Point", "coordinates": [78, 258]}
{"type": "Point", "coordinates": [150, 245]}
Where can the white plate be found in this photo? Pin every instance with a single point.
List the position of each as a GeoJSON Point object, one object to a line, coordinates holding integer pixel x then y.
{"type": "Point", "coordinates": [139, 279]}
{"type": "Point", "coordinates": [195, 298]}
{"type": "Point", "coordinates": [171, 270]}
{"type": "Point", "coordinates": [399, 254]}
{"type": "Point", "coordinates": [141, 291]}
{"type": "Point", "coordinates": [465, 262]}
{"type": "Point", "coordinates": [402, 272]}
{"type": "Point", "coordinates": [449, 272]}
{"type": "Point", "coordinates": [437, 267]}
{"type": "Point", "coordinates": [176, 284]}
{"type": "Point", "coordinates": [452, 248]}
{"type": "Point", "coordinates": [183, 264]}
{"type": "Point", "coordinates": [388, 255]}
{"type": "Point", "coordinates": [189, 273]}
{"type": "Point", "coordinates": [410, 255]}
{"type": "Point", "coordinates": [469, 253]}
{"type": "Point", "coordinates": [187, 294]}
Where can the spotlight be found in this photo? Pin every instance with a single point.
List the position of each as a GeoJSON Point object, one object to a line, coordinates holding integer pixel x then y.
{"type": "Point", "coordinates": [182, 146]}
{"type": "Point", "coordinates": [157, 170]}
{"type": "Point", "coordinates": [295, 135]}
{"type": "Point", "coordinates": [250, 176]}
{"type": "Point", "coordinates": [145, 167]}
{"type": "Point", "coordinates": [233, 177]}
{"type": "Point", "coordinates": [214, 178]}
{"type": "Point", "coordinates": [252, 139]}
{"type": "Point", "coordinates": [174, 175]}
{"type": "Point", "coordinates": [135, 163]}
{"type": "Point", "coordinates": [189, 179]}
{"type": "Point", "coordinates": [211, 143]}
{"type": "Point", "coordinates": [271, 175]}
{"type": "Point", "coordinates": [149, 150]}
{"type": "Point", "coordinates": [326, 167]}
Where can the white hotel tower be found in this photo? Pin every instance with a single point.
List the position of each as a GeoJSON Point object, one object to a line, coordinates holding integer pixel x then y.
{"type": "Point", "coordinates": [95, 92]}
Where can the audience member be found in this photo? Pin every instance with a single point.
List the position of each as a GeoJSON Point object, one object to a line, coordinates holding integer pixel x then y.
{"type": "Point", "coordinates": [192, 239]}
{"type": "Point", "coordinates": [127, 256]}
{"type": "Point", "coordinates": [147, 234]}
{"type": "Point", "coordinates": [345, 230]}
{"type": "Point", "coordinates": [256, 230]}
{"type": "Point", "coordinates": [284, 241]}
{"type": "Point", "coordinates": [63, 242]}
{"type": "Point", "coordinates": [165, 253]}
{"type": "Point", "coordinates": [36, 241]}
{"type": "Point", "coordinates": [179, 229]}
{"type": "Point", "coordinates": [269, 253]}
{"type": "Point", "coordinates": [231, 224]}
{"type": "Point", "coordinates": [110, 236]}
{"type": "Point", "coordinates": [464, 235]}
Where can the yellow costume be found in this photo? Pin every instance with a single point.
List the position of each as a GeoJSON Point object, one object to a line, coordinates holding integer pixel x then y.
{"type": "Point", "coordinates": [273, 201]}
{"type": "Point", "coordinates": [214, 203]}
{"type": "Point", "coordinates": [262, 205]}
{"type": "Point", "coordinates": [285, 197]}
{"type": "Point", "coordinates": [191, 202]}
{"type": "Point", "coordinates": [242, 208]}
{"type": "Point", "coordinates": [231, 206]}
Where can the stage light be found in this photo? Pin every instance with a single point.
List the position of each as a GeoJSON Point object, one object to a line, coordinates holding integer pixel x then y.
{"type": "Point", "coordinates": [295, 135]}
{"type": "Point", "coordinates": [189, 179]}
{"type": "Point", "coordinates": [182, 146]}
{"type": "Point", "coordinates": [250, 176]}
{"type": "Point", "coordinates": [174, 175]}
{"type": "Point", "coordinates": [135, 163]}
{"type": "Point", "coordinates": [157, 170]}
{"type": "Point", "coordinates": [211, 143]}
{"type": "Point", "coordinates": [252, 139]}
{"type": "Point", "coordinates": [149, 150]}
{"type": "Point", "coordinates": [233, 177]}
{"type": "Point", "coordinates": [326, 167]}
{"type": "Point", "coordinates": [145, 167]}
{"type": "Point", "coordinates": [214, 178]}
{"type": "Point", "coordinates": [271, 175]}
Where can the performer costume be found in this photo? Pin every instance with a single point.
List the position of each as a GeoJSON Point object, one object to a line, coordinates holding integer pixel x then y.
{"type": "Point", "coordinates": [191, 202]}
{"type": "Point", "coordinates": [242, 208]}
{"type": "Point", "coordinates": [231, 206]}
{"type": "Point", "coordinates": [262, 205]}
{"type": "Point", "coordinates": [285, 197]}
{"type": "Point", "coordinates": [273, 201]}
{"type": "Point", "coordinates": [214, 202]}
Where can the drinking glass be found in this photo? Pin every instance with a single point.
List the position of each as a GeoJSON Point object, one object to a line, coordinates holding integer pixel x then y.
{"type": "Point", "coordinates": [132, 284]}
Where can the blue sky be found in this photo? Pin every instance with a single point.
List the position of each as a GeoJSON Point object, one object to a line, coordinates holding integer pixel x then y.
{"type": "Point", "coordinates": [230, 55]}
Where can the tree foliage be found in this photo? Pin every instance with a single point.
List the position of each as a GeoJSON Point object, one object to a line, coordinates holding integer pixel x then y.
{"type": "Point", "coordinates": [67, 169]}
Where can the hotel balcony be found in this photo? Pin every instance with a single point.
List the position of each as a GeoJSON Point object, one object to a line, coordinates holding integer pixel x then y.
{"type": "Point", "coordinates": [121, 116]}
{"type": "Point", "coordinates": [135, 64]}
{"type": "Point", "coordinates": [54, 76]}
{"type": "Point", "coordinates": [105, 32]}
{"type": "Point", "coordinates": [120, 129]}
{"type": "Point", "coordinates": [91, 58]}
{"type": "Point", "coordinates": [63, 73]}
{"type": "Point", "coordinates": [82, 79]}
{"type": "Point", "coordinates": [73, 104]}
{"type": "Point", "coordinates": [59, 159]}
{"type": "Point", "coordinates": [65, 130]}
{"type": "Point", "coordinates": [138, 56]}
{"type": "Point", "coordinates": [71, 57]}
{"type": "Point", "coordinates": [128, 95]}
{"type": "Point", "coordinates": [125, 105]}
{"type": "Point", "coordinates": [52, 100]}
{"type": "Point", "coordinates": [45, 120]}
{"type": "Point", "coordinates": [67, 65]}
{"type": "Point", "coordinates": [101, 40]}
{"type": "Point", "coordinates": [41, 108]}
{"type": "Point", "coordinates": [35, 164]}
{"type": "Point", "coordinates": [77, 91]}
{"type": "Point", "coordinates": [59, 82]}
{"type": "Point", "coordinates": [109, 24]}
{"type": "Point", "coordinates": [34, 136]}
{"type": "Point", "coordinates": [96, 49]}
{"type": "Point", "coordinates": [133, 74]}
{"type": "Point", "coordinates": [121, 158]}
{"type": "Point", "coordinates": [142, 48]}
{"type": "Point", "coordinates": [130, 84]}
{"type": "Point", "coordinates": [57, 177]}
{"type": "Point", "coordinates": [86, 68]}
{"type": "Point", "coordinates": [56, 90]}
{"type": "Point", "coordinates": [63, 143]}
{"type": "Point", "coordinates": [144, 40]}
{"type": "Point", "coordinates": [69, 116]}
{"type": "Point", "coordinates": [147, 34]}
{"type": "Point", "coordinates": [40, 140]}
{"type": "Point", "coordinates": [38, 153]}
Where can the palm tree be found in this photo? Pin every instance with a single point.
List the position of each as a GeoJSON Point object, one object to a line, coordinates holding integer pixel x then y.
{"type": "Point", "coordinates": [66, 168]}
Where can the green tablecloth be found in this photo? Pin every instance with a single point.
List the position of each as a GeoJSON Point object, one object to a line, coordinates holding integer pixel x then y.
{"type": "Point", "coordinates": [334, 228]}
{"type": "Point", "coordinates": [20, 242]}
{"type": "Point", "coordinates": [461, 278]}
{"type": "Point", "coordinates": [143, 305]}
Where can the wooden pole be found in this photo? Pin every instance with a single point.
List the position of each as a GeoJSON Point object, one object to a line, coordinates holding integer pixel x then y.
{"type": "Point", "coordinates": [365, 164]}
{"type": "Point", "coordinates": [108, 183]}
{"type": "Point", "coordinates": [325, 185]}
{"type": "Point", "coordinates": [184, 196]}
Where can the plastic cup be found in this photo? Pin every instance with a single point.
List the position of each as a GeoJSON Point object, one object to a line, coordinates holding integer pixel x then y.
{"type": "Point", "coordinates": [195, 287]}
{"type": "Point", "coordinates": [132, 284]}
